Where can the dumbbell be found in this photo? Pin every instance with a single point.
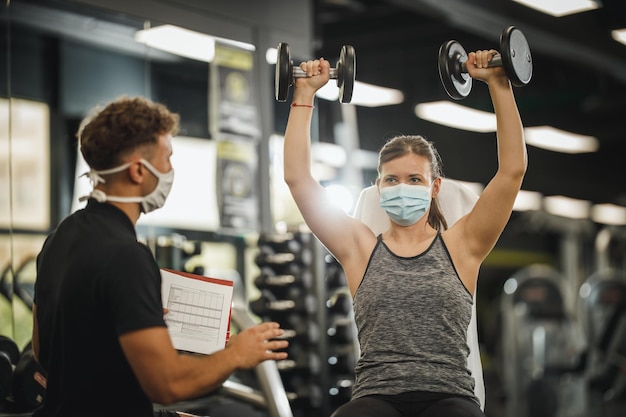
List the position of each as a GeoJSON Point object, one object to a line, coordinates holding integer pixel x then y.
{"type": "Point", "coordinates": [514, 56]}
{"type": "Point", "coordinates": [340, 391]}
{"type": "Point", "coordinates": [267, 257]}
{"type": "Point", "coordinates": [340, 302]}
{"type": "Point", "coordinates": [341, 330]}
{"type": "Point", "coordinates": [300, 361]}
{"type": "Point", "coordinates": [306, 393]}
{"type": "Point", "coordinates": [342, 359]}
{"type": "Point", "coordinates": [9, 355]}
{"type": "Point", "coordinates": [268, 279]}
{"type": "Point", "coordinates": [285, 242]}
{"type": "Point", "coordinates": [29, 381]}
{"type": "Point", "coordinates": [269, 305]}
{"type": "Point", "coordinates": [286, 72]}
{"type": "Point", "coordinates": [300, 330]}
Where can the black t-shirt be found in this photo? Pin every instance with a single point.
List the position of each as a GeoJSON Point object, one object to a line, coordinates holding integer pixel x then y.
{"type": "Point", "coordinates": [95, 282]}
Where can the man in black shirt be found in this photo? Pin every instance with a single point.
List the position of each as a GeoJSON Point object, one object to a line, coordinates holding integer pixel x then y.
{"type": "Point", "coordinates": [98, 329]}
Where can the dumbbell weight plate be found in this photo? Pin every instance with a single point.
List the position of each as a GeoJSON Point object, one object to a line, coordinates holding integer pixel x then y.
{"type": "Point", "coordinates": [283, 75]}
{"type": "Point", "coordinates": [10, 349]}
{"type": "Point", "coordinates": [6, 377]}
{"type": "Point", "coordinates": [346, 72]}
{"type": "Point", "coordinates": [9, 355]}
{"type": "Point", "coordinates": [516, 57]}
{"type": "Point", "coordinates": [29, 382]}
{"type": "Point", "coordinates": [457, 83]}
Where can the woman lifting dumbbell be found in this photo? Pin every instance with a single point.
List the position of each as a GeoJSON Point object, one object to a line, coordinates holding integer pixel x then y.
{"type": "Point", "coordinates": [412, 285]}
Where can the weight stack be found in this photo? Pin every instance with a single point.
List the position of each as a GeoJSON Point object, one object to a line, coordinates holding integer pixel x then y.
{"type": "Point", "coordinates": [341, 339]}
{"type": "Point", "coordinates": [288, 280]}
{"type": "Point", "coordinates": [174, 251]}
{"type": "Point", "coordinates": [304, 289]}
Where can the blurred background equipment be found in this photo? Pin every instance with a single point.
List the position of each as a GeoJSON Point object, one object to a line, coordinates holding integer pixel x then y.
{"type": "Point", "coordinates": [316, 313]}
{"type": "Point", "coordinates": [9, 355]}
{"type": "Point", "coordinates": [542, 349]}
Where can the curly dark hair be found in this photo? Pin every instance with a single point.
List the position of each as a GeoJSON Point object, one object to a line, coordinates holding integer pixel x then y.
{"type": "Point", "coordinates": [405, 144]}
{"type": "Point", "coordinates": [112, 132]}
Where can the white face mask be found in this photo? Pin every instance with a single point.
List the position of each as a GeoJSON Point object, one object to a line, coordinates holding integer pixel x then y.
{"type": "Point", "coordinates": [405, 204]}
{"type": "Point", "coordinates": [150, 202]}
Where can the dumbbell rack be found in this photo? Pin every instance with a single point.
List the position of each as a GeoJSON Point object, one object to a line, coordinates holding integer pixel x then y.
{"type": "Point", "coordinates": [303, 288]}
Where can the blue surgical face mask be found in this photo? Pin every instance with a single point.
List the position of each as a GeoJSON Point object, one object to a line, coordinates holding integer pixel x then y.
{"type": "Point", "coordinates": [405, 204]}
{"type": "Point", "coordinates": [149, 202]}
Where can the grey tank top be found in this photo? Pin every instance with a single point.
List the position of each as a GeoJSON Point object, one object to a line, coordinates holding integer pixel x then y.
{"type": "Point", "coordinates": [412, 316]}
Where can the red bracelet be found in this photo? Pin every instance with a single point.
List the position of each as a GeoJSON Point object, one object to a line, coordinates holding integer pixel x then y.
{"type": "Point", "coordinates": [302, 105]}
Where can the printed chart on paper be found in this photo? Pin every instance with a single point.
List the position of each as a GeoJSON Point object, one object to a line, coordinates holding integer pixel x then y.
{"type": "Point", "coordinates": [194, 314]}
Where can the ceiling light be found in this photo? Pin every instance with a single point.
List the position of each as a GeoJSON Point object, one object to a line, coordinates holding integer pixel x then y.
{"type": "Point", "coordinates": [560, 8]}
{"type": "Point", "coordinates": [364, 94]}
{"type": "Point", "coordinates": [619, 35]}
{"type": "Point", "coordinates": [179, 41]}
{"type": "Point", "coordinates": [328, 92]}
{"type": "Point", "coordinates": [527, 200]}
{"type": "Point", "coordinates": [369, 95]}
{"type": "Point", "coordinates": [567, 207]}
{"type": "Point", "coordinates": [455, 115]}
{"type": "Point", "coordinates": [609, 214]}
{"type": "Point", "coordinates": [547, 137]}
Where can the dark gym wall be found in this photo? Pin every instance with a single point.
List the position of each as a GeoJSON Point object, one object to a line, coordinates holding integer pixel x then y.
{"type": "Point", "coordinates": [90, 76]}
